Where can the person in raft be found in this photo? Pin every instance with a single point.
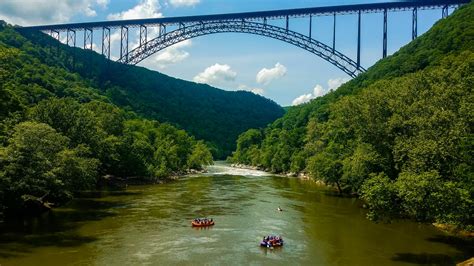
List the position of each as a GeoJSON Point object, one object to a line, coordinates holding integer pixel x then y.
{"type": "Point", "coordinates": [203, 220]}
{"type": "Point", "coordinates": [272, 241]}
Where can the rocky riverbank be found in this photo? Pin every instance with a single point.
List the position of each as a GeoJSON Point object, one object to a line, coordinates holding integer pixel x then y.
{"type": "Point", "coordinates": [453, 230]}
{"type": "Point", "coordinates": [301, 175]}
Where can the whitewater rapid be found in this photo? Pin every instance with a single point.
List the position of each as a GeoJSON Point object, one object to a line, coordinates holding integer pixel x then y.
{"type": "Point", "coordinates": [224, 168]}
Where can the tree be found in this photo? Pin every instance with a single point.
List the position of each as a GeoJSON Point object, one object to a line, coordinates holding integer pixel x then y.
{"type": "Point", "coordinates": [200, 156]}
{"type": "Point", "coordinates": [357, 167]}
{"type": "Point", "coordinates": [380, 194]}
{"type": "Point", "coordinates": [37, 161]}
{"type": "Point", "coordinates": [76, 169]}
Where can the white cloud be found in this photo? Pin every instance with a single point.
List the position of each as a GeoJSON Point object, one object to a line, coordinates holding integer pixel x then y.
{"type": "Point", "coordinates": [335, 83]}
{"type": "Point", "coordinates": [265, 75]}
{"type": "Point", "coordinates": [46, 11]}
{"type": "Point", "coordinates": [180, 3]}
{"type": "Point", "coordinates": [302, 99]}
{"type": "Point", "coordinates": [88, 11]}
{"type": "Point", "coordinates": [258, 91]}
{"type": "Point", "coordinates": [319, 91]}
{"type": "Point", "coordinates": [168, 56]}
{"type": "Point", "coordinates": [115, 36]}
{"type": "Point", "coordinates": [96, 48]}
{"type": "Point", "coordinates": [103, 3]}
{"type": "Point", "coordinates": [63, 38]}
{"type": "Point", "coordinates": [216, 74]}
{"type": "Point", "coordinates": [150, 9]}
{"type": "Point", "coordinates": [144, 9]}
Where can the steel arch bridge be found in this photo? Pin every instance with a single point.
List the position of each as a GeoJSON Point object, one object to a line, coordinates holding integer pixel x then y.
{"type": "Point", "coordinates": [324, 51]}
{"type": "Point", "coordinates": [256, 23]}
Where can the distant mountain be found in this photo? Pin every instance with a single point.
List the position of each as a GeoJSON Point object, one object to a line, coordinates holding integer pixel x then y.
{"type": "Point", "coordinates": [60, 133]}
{"type": "Point", "coordinates": [208, 113]}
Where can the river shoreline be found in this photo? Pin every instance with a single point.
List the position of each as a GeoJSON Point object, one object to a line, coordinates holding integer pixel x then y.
{"type": "Point", "coordinates": [37, 206]}
{"type": "Point", "coordinates": [115, 181]}
{"type": "Point", "coordinates": [447, 228]}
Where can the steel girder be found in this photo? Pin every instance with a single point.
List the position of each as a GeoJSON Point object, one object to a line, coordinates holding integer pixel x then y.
{"type": "Point", "coordinates": [163, 41]}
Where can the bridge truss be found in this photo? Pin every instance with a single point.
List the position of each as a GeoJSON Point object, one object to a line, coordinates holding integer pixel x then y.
{"type": "Point", "coordinates": [257, 23]}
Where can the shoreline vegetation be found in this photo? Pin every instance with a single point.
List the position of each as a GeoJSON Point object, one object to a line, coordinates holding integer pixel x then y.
{"type": "Point", "coordinates": [61, 132]}
{"type": "Point", "coordinates": [65, 124]}
{"type": "Point", "coordinates": [399, 135]}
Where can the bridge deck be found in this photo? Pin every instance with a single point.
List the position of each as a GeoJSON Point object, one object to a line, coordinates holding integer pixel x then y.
{"type": "Point", "coordinates": [274, 14]}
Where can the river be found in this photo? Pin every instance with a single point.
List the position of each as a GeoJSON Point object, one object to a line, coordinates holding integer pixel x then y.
{"type": "Point", "coordinates": [150, 225]}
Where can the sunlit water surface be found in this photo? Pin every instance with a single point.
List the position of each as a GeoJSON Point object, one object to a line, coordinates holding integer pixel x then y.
{"type": "Point", "coordinates": [150, 225]}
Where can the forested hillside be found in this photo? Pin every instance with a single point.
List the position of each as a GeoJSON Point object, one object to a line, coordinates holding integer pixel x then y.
{"type": "Point", "coordinates": [59, 133]}
{"type": "Point", "coordinates": [210, 114]}
{"type": "Point", "coordinates": [400, 135]}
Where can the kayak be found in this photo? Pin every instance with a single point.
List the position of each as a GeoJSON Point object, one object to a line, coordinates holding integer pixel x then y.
{"type": "Point", "coordinates": [202, 224]}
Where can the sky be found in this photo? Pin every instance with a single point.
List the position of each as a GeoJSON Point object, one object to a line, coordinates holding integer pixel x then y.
{"type": "Point", "coordinates": [234, 61]}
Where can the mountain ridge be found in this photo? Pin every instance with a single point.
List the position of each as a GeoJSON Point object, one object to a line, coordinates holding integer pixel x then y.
{"type": "Point", "coordinates": [214, 115]}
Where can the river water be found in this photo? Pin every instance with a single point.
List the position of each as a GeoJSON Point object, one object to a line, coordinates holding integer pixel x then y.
{"type": "Point", "coordinates": [150, 225]}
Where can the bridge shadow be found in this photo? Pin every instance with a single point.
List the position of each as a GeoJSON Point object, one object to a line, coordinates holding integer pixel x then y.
{"type": "Point", "coordinates": [58, 228]}
{"type": "Point", "coordinates": [463, 246]}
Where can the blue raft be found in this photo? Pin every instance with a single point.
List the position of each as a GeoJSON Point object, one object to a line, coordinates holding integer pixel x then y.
{"type": "Point", "coordinates": [272, 241]}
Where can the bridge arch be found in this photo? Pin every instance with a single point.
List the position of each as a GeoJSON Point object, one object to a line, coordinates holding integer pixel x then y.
{"type": "Point", "coordinates": [163, 41]}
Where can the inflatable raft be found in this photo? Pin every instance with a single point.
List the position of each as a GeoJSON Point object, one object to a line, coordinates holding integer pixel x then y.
{"type": "Point", "coordinates": [272, 241]}
{"type": "Point", "coordinates": [202, 222]}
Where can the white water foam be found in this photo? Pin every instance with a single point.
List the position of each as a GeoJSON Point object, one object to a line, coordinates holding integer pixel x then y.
{"type": "Point", "coordinates": [223, 168]}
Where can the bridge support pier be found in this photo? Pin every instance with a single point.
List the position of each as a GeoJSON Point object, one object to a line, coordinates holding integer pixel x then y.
{"type": "Point", "coordinates": [384, 53]}
{"type": "Point", "coordinates": [71, 37]}
{"type": "Point", "coordinates": [88, 41]}
{"type": "Point", "coordinates": [143, 36]}
{"type": "Point", "coordinates": [55, 35]}
{"type": "Point", "coordinates": [124, 42]}
{"type": "Point", "coordinates": [414, 24]}
{"type": "Point", "coordinates": [358, 41]}
{"type": "Point", "coordinates": [163, 30]}
{"type": "Point", "coordinates": [106, 42]}
{"type": "Point", "coordinates": [71, 40]}
{"type": "Point", "coordinates": [445, 11]}
{"type": "Point", "coordinates": [334, 33]}
{"type": "Point", "coordinates": [310, 26]}
{"type": "Point", "coordinates": [88, 38]}
{"type": "Point", "coordinates": [182, 27]}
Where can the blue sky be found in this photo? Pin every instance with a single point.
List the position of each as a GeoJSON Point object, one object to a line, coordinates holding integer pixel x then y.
{"type": "Point", "coordinates": [277, 70]}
